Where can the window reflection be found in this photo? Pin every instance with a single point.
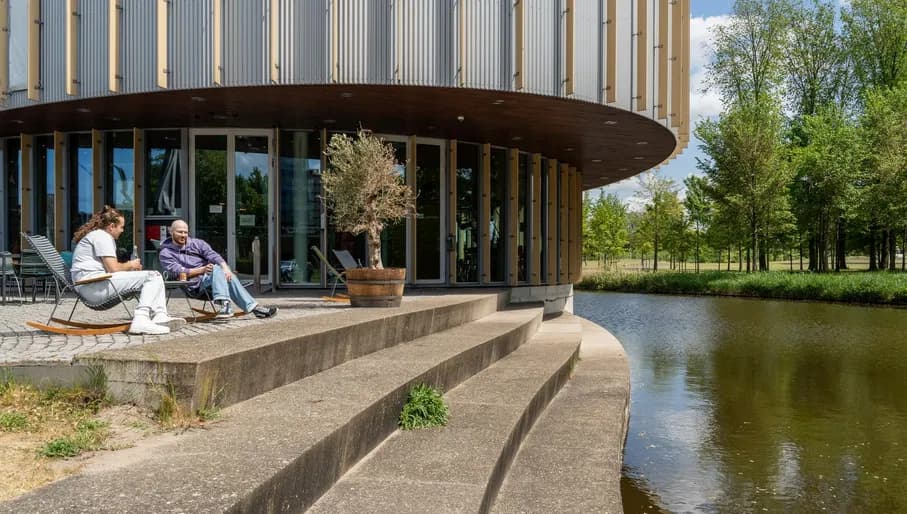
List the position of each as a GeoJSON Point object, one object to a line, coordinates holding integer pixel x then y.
{"type": "Point", "coordinates": [498, 222]}
{"type": "Point", "coordinates": [13, 161]}
{"type": "Point", "coordinates": [80, 182]}
{"type": "Point", "coordinates": [43, 190]}
{"type": "Point", "coordinates": [467, 223]}
{"type": "Point", "coordinates": [300, 207]}
{"type": "Point", "coordinates": [119, 177]}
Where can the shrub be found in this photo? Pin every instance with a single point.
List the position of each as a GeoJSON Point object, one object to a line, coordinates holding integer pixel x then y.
{"type": "Point", "coordinates": [60, 447]}
{"type": "Point", "coordinates": [12, 421]}
{"type": "Point", "coordinates": [424, 408]}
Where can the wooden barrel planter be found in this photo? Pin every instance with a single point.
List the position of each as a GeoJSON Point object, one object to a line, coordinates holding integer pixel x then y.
{"type": "Point", "coordinates": [375, 287]}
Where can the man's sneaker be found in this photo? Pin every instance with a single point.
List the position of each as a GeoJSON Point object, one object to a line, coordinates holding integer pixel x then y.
{"type": "Point", "coordinates": [225, 310]}
{"type": "Point", "coordinates": [164, 319]}
{"type": "Point", "coordinates": [264, 312]}
{"type": "Point", "coordinates": [144, 325]}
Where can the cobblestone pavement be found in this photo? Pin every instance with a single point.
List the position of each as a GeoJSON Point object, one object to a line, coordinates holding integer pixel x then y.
{"type": "Point", "coordinates": [20, 344]}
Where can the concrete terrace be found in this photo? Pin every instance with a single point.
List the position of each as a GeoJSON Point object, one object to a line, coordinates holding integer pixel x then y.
{"type": "Point", "coordinates": [539, 408]}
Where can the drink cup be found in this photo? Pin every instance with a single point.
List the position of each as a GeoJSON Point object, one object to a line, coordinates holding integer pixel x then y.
{"type": "Point", "coordinates": [183, 276]}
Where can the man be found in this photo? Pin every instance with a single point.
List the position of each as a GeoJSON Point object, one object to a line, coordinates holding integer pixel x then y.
{"type": "Point", "coordinates": [95, 255]}
{"type": "Point", "coordinates": [206, 270]}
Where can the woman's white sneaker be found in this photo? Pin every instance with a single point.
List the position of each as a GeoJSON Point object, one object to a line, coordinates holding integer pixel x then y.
{"type": "Point", "coordinates": [164, 319]}
{"type": "Point", "coordinates": [144, 325]}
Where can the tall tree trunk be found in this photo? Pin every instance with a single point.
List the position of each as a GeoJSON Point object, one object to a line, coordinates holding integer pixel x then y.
{"type": "Point", "coordinates": [904, 251]}
{"type": "Point", "coordinates": [813, 258]}
{"type": "Point", "coordinates": [883, 250]}
{"type": "Point", "coordinates": [841, 246]}
{"type": "Point", "coordinates": [655, 258]}
{"type": "Point", "coordinates": [873, 263]}
{"type": "Point", "coordinates": [892, 250]}
{"type": "Point", "coordinates": [739, 257]}
{"type": "Point", "coordinates": [800, 245]}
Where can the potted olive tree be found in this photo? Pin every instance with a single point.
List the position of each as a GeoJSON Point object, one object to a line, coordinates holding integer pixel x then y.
{"type": "Point", "coordinates": [364, 193]}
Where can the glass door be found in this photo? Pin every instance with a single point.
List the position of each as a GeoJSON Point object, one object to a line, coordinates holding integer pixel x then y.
{"type": "Point", "coordinates": [230, 179]}
{"type": "Point", "coordinates": [430, 204]}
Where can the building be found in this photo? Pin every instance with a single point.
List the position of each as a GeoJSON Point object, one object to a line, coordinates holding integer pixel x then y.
{"type": "Point", "coordinates": [217, 111]}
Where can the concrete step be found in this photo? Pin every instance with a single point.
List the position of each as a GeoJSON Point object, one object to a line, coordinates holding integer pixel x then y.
{"type": "Point", "coordinates": [460, 467]}
{"type": "Point", "coordinates": [571, 460]}
{"type": "Point", "coordinates": [252, 360]}
{"type": "Point", "coordinates": [281, 450]}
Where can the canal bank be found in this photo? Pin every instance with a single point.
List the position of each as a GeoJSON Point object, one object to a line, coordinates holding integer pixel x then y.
{"type": "Point", "coordinates": [751, 405]}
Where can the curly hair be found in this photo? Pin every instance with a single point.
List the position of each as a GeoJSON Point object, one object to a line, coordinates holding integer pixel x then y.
{"type": "Point", "coordinates": [100, 220]}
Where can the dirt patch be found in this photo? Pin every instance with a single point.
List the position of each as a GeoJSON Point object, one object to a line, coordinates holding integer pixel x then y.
{"type": "Point", "coordinates": [23, 468]}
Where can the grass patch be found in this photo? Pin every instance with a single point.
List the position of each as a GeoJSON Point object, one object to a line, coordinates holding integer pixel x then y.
{"type": "Point", "coordinates": [424, 408]}
{"type": "Point", "coordinates": [887, 288]}
{"type": "Point", "coordinates": [172, 413]}
{"type": "Point", "coordinates": [13, 421]}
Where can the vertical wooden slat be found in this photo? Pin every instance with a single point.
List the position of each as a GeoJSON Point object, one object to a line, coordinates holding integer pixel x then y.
{"type": "Point", "coordinates": [162, 64]}
{"type": "Point", "coordinates": [274, 50]}
{"type": "Point", "coordinates": [535, 276]}
{"type": "Point", "coordinates": [60, 195]}
{"type": "Point", "coordinates": [642, 54]}
{"type": "Point", "coordinates": [138, 183]}
{"type": "Point", "coordinates": [398, 39]}
{"type": "Point", "coordinates": [485, 220]}
{"type": "Point", "coordinates": [452, 211]}
{"type": "Point", "coordinates": [97, 168]}
{"type": "Point", "coordinates": [519, 45]}
{"type": "Point", "coordinates": [571, 223]}
{"type": "Point", "coordinates": [26, 142]}
{"type": "Point", "coordinates": [579, 226]}
{"type": "Point", "coordinates": [563, 203]}
{"type": "Point", "coordinates": [217, 49]}
{"type": "Point", "coordinates": [411, 182]}
{"type": "Point", "coordinates": [335, 41]}
{"type": "Point", "coordinates": [569, 82]}
{"type": "Point", "coordinates": [513, 213]}
{"type": "Point", "coordinates": [611, 54]}
{"type": "Point", "coordinates": [676, 63]}
{"type": "Point", "coordinates": [113, 45]}
{"type": "Point", "coordinates": [662, 100]}
{"type": "Point", "coordinates": [4, 50]}
{"type": "Point", "coordinates": [72, 47]}
{"type": "Point", "coordinates": [34, 50]}
{"type": "Point", "coordinates": [551, 265]}
{"type": "Point", "coordinates": [685, 72]}
{"type": "Point", "coordinates": [461, 34]}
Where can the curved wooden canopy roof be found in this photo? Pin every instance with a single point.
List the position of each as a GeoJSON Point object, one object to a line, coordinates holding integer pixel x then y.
{"type": "Point", "coordinates": [605, 143]}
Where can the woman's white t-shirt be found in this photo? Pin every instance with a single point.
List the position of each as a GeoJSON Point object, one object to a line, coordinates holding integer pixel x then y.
{"type": "Point", "coordinates": [86, 258]}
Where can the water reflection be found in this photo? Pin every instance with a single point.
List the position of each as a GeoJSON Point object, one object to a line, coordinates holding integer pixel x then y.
{"type": "Point", "coordinates": [752, 405]}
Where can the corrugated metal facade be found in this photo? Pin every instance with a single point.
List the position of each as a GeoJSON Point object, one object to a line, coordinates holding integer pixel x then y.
{"type": "Point", "coordinates": [246, 45]}
{"type": "Point", "coordinates": [53, 54]}
{"type": "Point", "coordinates": [189, 44]}
{"type": "Point", "coordinates": [543, 47]}
{"type": "Point", "coordinates": [489, 53]}
{"type": "Point", "coordinates": [304, 55]}
{"type": "Point", "coordinates": [139, 50]}
{"type": "Point", "coordinates": [425, 32]}
{"type": "Point", "coordinates": [92, 74]}
{"type": "Point", "coordinates": [377, 41]}
{"type": "Point", "coordinates": [587, 56]}
{"type": "Point", "coordinates": [364, 50]}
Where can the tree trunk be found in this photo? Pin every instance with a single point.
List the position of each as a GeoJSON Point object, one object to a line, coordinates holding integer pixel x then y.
{"type": "Point", "coordinates": [813, 258]}
{"type": "Point", "coordinates": [883, 250]}
{"type": "Point", "coordinates": [655, 258]}
{"type": "Point", "coordinates": [739, 257]}
{"type": "Point", "coordinates": [800, 245]}
{"type": "Point", "coordinates": [841, 246]}
{"type": "Point", "coordinates": [374, 249]}
{"type": "Point", "coordinates": [873, 264]}
{"type": "Point", "coordinates": [892, 250]}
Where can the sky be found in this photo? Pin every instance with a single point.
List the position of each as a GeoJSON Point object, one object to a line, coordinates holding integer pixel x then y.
{"type": "Point", "coordinates": [705, 14]}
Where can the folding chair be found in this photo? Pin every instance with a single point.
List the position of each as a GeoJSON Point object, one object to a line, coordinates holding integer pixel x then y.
{"type": "Point", "coordinates": [202, 294]}
{"type": "Point", "coordinates": [338, 276]}
{"type": "Point", "coordinates": [7, 272]}
{"type": "Point", "coordinates": [63, 281]}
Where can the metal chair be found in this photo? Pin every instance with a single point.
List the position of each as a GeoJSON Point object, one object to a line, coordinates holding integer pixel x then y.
{"type": "Point", "coordinates": [338, 276]}
{"type": "Point", "coordinates": [7, 271]}
{"type": "Point", "coordinates": [63, 282]}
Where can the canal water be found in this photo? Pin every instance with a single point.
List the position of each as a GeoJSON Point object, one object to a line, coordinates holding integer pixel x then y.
{"type": "Point", "coordinates": [743, 405]}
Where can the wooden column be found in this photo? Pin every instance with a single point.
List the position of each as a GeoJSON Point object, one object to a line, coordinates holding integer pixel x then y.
{"type": "Point", "coordinates": [569, 17]}
{"type": "Point", "coordinates": [571, 224]}
{"type": "Point", "coordinates": [72, 47]}
{"type": "Point", "coordinates": [97, 168]}
{"type": "Point", "coordinates": [485, 220]}
{"type": "Point", "coordinates": [553, 215]}
{"type": "Point", "coordinates": [113, 46]}
{"type": "Point", "coordinates": [26, 145]}
{"type": "Point", "coordinates": [513, 213]}
{"type": "Point", "coordinates": [452, 211]}
{"type": "Point", "coordinates": [579, 225]}
{"type": "Point", "coordinates": [4, 52]}
{"type": "Point", "coordinates": [33, 55]}
{"type": "Point", "coordinates": [60, 196]}
{"type": "Point", "coordinates": [535, 268]}
{"type": "Point", "coordinates": [161, 40]}
{"type": "Point", "coordinates": [611, 52]}
{"type": "Point", "coordinates": [411, 182]}
{"type": "Point", "coordinates": [563, 202]}
{"type": "Point", "coordinates": [138, 183]}
{"type": "Point", "coordinates": [217, 49]}
{"type": "Point", "coordinates": [642, 55]}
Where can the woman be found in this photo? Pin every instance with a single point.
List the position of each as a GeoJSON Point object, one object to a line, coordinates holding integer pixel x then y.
{"type": "Point", "coordinates": [95, 254]}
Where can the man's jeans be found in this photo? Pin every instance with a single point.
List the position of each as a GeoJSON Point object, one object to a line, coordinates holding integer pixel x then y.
{"type": "Point", "coordinates": [232, 290]}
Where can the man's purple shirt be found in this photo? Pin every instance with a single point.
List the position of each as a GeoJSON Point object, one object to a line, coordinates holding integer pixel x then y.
{"type": "Point", "coordinates": [195, 253]}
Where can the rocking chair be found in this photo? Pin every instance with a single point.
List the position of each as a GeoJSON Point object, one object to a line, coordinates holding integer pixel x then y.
{"type": "Point", "coordinates": [63, 279]}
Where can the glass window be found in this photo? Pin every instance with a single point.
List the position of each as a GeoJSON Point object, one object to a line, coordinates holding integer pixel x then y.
{"type": "Point", "coordinates": [13, 162]}
{"type": "Point", "coordinates": [120, 178]}
{"type": "Point", "coordinates": [18, 46]}
{"type": "Point", "coordinates": [524, 189]}
{"type": "Point", "coordinates": [81, 192]}
{"type": "Point", "coordinates": [44, 186]}
{"type": "Point", "coordinates": [393, 237]}
{"type": "Point", "coordinates": [163, 174]}
{"type": "Point", "coordinates": [300, 207]}
{"type": "Point", "coordinates": [428, 212]}
{"type": "Point", "coordinates": [469, 158]}
{"type": "Point", "coordinates": [497, 225]}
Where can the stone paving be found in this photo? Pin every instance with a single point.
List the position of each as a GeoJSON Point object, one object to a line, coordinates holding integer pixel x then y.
{"type": "Point", "coordinates": [21, 344]}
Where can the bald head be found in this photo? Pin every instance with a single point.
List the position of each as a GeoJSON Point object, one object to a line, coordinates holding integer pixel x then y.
{"type": "Point", "coordinates": [179, 232]}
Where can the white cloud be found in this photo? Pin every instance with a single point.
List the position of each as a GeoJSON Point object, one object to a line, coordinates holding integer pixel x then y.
{"type": "Point", "coordinates": [703, 105]}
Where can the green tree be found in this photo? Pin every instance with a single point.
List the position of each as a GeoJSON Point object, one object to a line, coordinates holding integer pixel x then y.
{"type": "Point", "coordinates": [659, 196]}
{"type": "Point", "coordinates": [607, 228]}
{"type": "Point", "coordinates": [698, 206]}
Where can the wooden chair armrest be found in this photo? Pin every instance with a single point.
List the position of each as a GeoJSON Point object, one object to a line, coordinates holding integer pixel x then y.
{"type": "Point", "coordinates": [93, 279]}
